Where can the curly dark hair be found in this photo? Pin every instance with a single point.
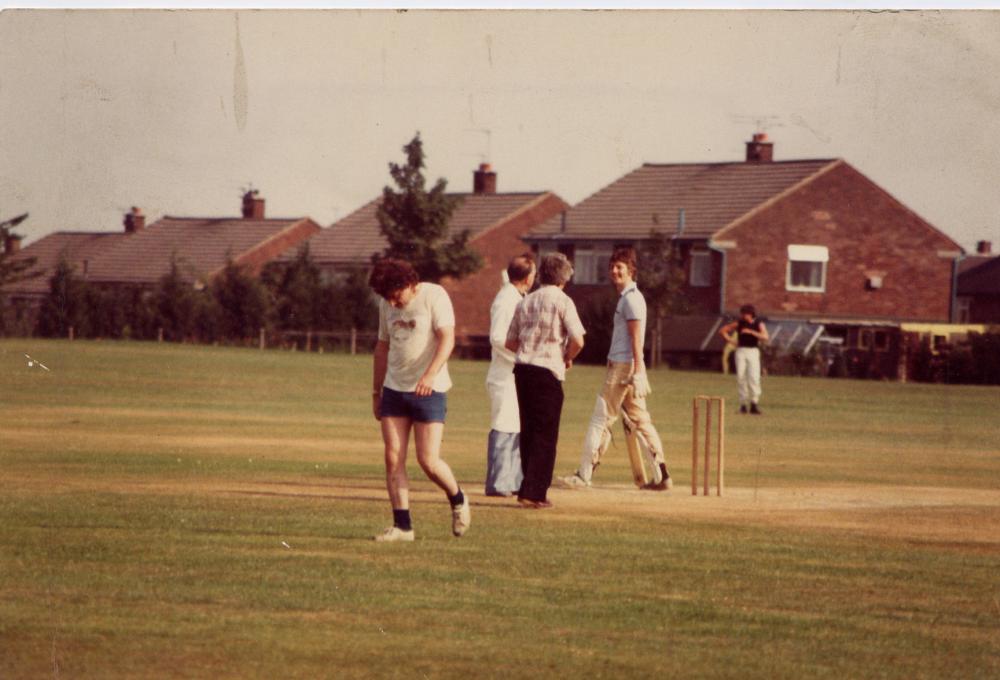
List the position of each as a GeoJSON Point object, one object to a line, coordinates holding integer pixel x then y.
{"type": "Point", "coordinates": [390, 276]}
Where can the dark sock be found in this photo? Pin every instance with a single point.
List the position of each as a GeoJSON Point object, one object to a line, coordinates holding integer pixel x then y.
{"type": "Point", "coordinates": [401, 520]}
{"type": "Point", "coordinates": [457, 499]}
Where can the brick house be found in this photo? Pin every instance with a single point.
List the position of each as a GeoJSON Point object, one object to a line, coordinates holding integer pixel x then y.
{"type": "Point", "coordinates": [496, 223]}
{"type": "Point", "coordinates": [140, 255]}
{"type": "Point", "coordinates": [813, 243]}
{"type": "Point", "coordinates": [977, 298]}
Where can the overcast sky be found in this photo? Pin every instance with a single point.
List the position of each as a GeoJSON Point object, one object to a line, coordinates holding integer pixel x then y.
{"type": "Point", "coordinates": [176, 111]}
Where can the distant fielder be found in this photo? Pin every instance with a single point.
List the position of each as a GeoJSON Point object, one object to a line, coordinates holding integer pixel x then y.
{"type": "Point", "coordinates": [750, 332]}
{"type": "Point", "coordinates": [626, 386]}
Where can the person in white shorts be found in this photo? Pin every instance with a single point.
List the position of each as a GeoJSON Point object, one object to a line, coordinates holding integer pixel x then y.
{"type": "Point", "coordinates": [503, 453]}
{"type": "Point", "coordinates": [626, 385]}
{"type": "Point", "coordinates": [416, 334]}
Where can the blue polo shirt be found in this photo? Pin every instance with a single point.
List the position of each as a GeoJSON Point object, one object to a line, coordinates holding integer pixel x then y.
{"type": "Point", "coordinates": [631, 307]}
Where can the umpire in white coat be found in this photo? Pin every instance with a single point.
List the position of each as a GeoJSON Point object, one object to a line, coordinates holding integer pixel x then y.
{"type": "Point", "coordinates": [503, 454]}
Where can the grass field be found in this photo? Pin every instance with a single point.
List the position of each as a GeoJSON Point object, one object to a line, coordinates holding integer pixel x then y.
{"type": "Point", "coordinates": [172, 511]}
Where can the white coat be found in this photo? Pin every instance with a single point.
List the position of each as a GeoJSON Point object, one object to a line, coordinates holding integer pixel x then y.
{"type": "Point", "coordinates": [500, 377]}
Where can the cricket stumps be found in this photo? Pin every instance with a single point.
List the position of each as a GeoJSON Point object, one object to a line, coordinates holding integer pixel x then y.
{"type": "Point", "coordinates": [708, 404]}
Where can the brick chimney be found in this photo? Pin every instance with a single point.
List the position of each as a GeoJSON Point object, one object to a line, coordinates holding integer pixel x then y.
{"type": "Point", "coordinates": [253, 205]}
{"type": "Point", "coordinates": [984, 247]}
{"type": "Point", "coordinates": [11, 244]}
{"type": "Point", "coordinates": [134, 221]}
{"type": "Point", "coordinates": [759, 150]}
{"type": "Point", "coordinates": [484, 180]}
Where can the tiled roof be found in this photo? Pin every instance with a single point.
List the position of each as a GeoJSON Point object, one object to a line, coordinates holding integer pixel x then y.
{"type": "Point", "coordinates": [356, 237]}
{"type": "Point", "coordinates": [75, 247]}
{"type": "Point", "coordinates": [970, 262]}
{"type": "Point", "coordinates": [712, 195]}
{"type": "Point", "coordinates": [981, 280]}
{"type": "Point", "coordinates": [200, 245]}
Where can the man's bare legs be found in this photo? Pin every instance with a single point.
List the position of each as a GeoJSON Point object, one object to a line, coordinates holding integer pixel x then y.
{"type": "Point", "coordinates": [427, 438]}
{"type": "Point", "coordinates": [396, 435]}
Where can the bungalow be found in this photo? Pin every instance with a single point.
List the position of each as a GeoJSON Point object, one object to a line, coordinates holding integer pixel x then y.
{"type": "Point", "coordinates": [496, 223]}
{"type": "Point", "coordinates": [141, 255]}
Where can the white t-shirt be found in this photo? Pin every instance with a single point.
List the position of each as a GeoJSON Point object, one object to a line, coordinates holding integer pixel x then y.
{"type": "Point", "coordinates": [410, 334]}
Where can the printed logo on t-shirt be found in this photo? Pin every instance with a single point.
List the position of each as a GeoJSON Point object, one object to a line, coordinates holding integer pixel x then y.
{"type": "Point", "coordinates": [403, 329]}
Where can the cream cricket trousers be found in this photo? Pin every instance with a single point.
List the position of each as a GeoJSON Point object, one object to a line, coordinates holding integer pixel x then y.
{"type": "Point", "coordinates": [748, 375]}
{"type": "Point", "coordinates": [615, 397]}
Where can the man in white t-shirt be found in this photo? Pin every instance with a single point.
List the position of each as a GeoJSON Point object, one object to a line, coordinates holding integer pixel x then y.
{"type": "Point", "coordinates": [416, 334]}
{"type": "Point", "coordinates": [626, 385]}
{"type": "Point", "coordinates": [503, 453]}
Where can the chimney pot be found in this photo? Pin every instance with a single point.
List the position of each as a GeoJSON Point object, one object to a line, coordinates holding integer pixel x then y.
{"type": "Point", "coordinates": [984, 247]}
{"type": "Point", "coordinates": [11, 244]}
{"type": "Point", "coordinates": [484, 180]}
{"type": "Point", "coordinates": [134, 221]}
{"type": "Point", "coordinates": [759, 150]}
{"type": "Point", "coordinates": [253, 205]}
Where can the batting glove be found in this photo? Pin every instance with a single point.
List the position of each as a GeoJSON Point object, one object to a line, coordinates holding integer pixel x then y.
{"type": "Point", "coordinates": [640, 385]}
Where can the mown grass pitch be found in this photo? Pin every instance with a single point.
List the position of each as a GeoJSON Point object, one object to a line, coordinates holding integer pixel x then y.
{"type": "Point", "coordinates": [175, 511]}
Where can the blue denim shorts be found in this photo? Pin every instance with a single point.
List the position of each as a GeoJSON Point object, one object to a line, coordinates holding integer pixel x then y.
{"type": "Point", "coordinates": [430, 409]}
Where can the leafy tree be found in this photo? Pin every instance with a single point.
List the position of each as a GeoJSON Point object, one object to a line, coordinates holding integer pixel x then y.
{"type": "Point", "coordinates": [139, 306]}
{"type": "Point", "coordinates": [300, 300]}
{"type": "Point", "coordinates": [174, 302]}
{"type": "Point", "coordinates": [244, 303]}
{"type": "Point", "coordinates": [415, 222]}
{"type": "Point", "coordinates": [205, 322]}
{"type": "Point", "coordinates": [66, 303]}
{"type": "Point", "coordinates": [661, 274]}
{"type": "Point", "coordinates": [359, 302]}
{"type": "Point", "coordinates": [12, 270]}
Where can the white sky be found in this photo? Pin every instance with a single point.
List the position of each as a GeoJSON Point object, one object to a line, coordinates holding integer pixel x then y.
{"type": "Point", "coordinates": [176, 111]}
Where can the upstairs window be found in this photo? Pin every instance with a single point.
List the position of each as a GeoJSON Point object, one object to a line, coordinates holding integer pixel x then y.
{"type": "Point", "coordinates": [700, 275]}
{"type": "Point", "coordinates": [590, 266]}
{"type": "Point", "coordinates": [807, 268]}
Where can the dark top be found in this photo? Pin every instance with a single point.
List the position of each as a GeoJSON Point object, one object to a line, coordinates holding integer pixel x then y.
{"type": "Point", "coordinates": [745, 339]}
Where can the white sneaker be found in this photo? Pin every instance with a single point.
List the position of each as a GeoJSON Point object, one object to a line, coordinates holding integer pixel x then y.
{"type": "Point", "coordinates": [395, 534]}
{"type": "Point", "coordinates": [574, 481]}
{"type": "Point", "coordinates": [461, 518]}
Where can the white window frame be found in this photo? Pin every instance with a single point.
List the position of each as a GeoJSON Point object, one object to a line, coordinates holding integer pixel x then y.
{"type": "Point", "coordinates": [546, 248]}
{"type": "Point", "coordinates": [963, 309]}
{"type": "Point", "coordinates": [811, 254]}
{"type": "Point", "coordinates": [703, 269]}
{"type": "Point", "coordinates": [590, 265]}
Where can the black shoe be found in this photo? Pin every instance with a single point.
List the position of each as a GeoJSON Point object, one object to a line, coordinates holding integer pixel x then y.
{"type": "Point", "coordinates": [743, 409]}
{"type": "Point", "coordinates": [665, 483]}
{"type": "Point", "coordinates": [754, 410]}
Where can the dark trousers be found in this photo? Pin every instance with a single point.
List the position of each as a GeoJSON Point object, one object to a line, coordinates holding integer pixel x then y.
{"type": "Point", "coordinates": [539, 402]}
